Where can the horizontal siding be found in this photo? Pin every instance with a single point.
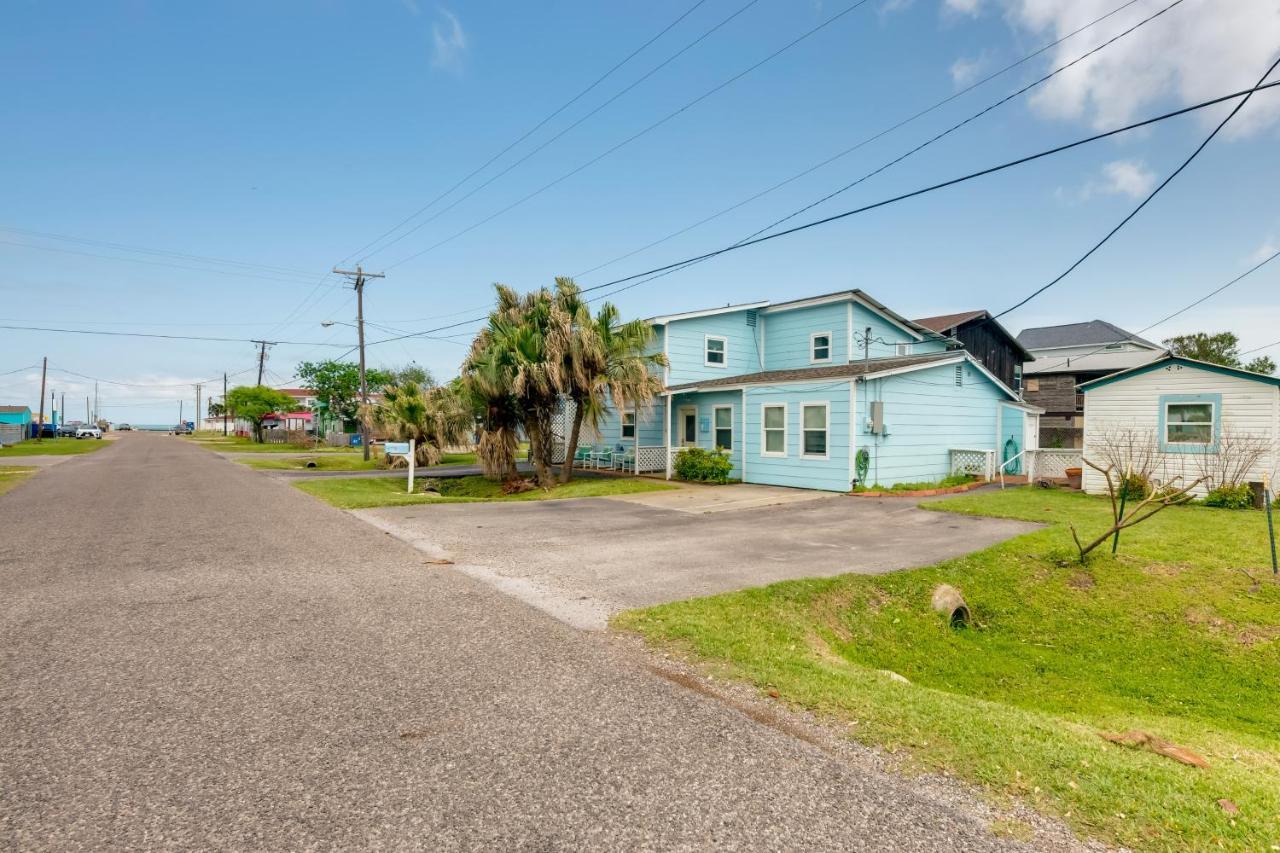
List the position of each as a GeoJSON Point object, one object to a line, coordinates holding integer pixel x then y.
{"type": "Point", "coordinates": [686, 342]}
{"type": "Point", "coordinates": [927, 415]}
{"type": "Point", "coordinates": [830, 474]}
{"type": "Point", "coordinates": [705, 405]}
{"type": "Point", "coordinates": [609, 432]}
{"type": "Point", "coordinates": [787, 334]}
{"type": "Point", "coordinates": [1247, 407]}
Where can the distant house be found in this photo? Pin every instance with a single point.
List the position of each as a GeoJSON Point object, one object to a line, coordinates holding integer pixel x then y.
{"type": "Point", "coordinates": [1188, 412]}
{"type": "Point", "coordinates": [15, 424]}
{"type": "Point", "coordinates": [793, 393]}
{"type": "Point", "coordinates": [1066, 356]}
{"type": "Point", "coordinates": [987, 341]}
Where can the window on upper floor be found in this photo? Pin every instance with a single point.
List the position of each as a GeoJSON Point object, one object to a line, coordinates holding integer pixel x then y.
{"type": "Point", "coordinates": [717, 350]}
{"type": "Point", "coordinates": [628, 424]}
{"type": "Point", "coordinates": [1033, 385]}
{"type": "Point", "coordinates": [820, 346]}
{"type": "Point", "coordinates": [904, 349]}
{"type": "Point", "coordinates": [1017, 377]}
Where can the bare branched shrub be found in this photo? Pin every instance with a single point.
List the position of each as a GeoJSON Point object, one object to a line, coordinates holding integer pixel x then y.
{"type": "Point", "coordinates": [1236, 455]}
{"type": "Point", "coordinates": [1130, 450]}
{"type": "Point", "coordinates": [1123, 516]}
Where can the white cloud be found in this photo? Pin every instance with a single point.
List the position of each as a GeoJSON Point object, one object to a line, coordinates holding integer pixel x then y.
{"type": "Point", "coordinates": [1194, 52]}
{"type": "Point", "coordinates": [1120, 177]}
{"type": "Point", "coordinates": [965, 71]}
{"type": "Point", "coordinates": [1268, 248]}
{"type": "Point", "coordinates": [449, 42]}
{"type": "Point", "coordinates": [891, 6]}
{"type": "Point", "coordinates": [963, 7]}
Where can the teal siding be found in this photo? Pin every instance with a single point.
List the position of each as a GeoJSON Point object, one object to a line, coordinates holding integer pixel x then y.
{"type": "Point", "coordinates": [687, 341]}
{"type": "Point", "coordinates": [927, 415]}
{"type": "Point", "coordinates": [20, 418]}
{"type": "Point", "coordinates": [1012, 434]}
{"type": "Point", "coordinates": [609, 434]}
{"type": "Point", "coordinates": [832, 473]}
{"type": "Point", "coordinates": [885, 336]}
{"type": "Point", "coordinates": [706, 405]}
{"type": "Point", "coordinates": [787, 334]}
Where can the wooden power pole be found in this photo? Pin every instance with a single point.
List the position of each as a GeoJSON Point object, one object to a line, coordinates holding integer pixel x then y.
{"type": "Point", "coordinates": [359, 277]}
{"type": "Point", "coordinates": [197, 418]}
{"type": "Point", "coordinates": [262, 357]}
{"type": "Point", "coordinates": [224, 404]}
{"type": "Point", "coordinates": [44, 369]}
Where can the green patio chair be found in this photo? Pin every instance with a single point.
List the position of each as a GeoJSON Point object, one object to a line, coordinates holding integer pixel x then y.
{"type": "Point", "coordinates": [582, 456]}
{"type": "Point", "coordinates": [625, 460]}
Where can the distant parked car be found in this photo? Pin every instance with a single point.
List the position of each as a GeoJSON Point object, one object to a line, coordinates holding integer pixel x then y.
{"type": "Point", "coordinates": [180, 429]}
{"type": "Point", "coordinates": [66, 431]}
{"type": "Point", "coordinates": [48, 431]}
{"type": "Point", "coordinates": [124, 428]}
{"type": "Point", "coordinates": [88, 432]}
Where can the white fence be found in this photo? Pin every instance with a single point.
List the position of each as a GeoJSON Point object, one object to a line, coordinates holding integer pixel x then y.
{"type": "Point", "coordinates": [976, 462]}
{"type": "Point", "coordinates": [1052, 463]}
{"type": "Point", "coordinates": [12, 433]}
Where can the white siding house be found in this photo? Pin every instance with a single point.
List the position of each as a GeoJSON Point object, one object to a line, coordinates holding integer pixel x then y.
{"type": "Point", "coordinates": [1187, 406]}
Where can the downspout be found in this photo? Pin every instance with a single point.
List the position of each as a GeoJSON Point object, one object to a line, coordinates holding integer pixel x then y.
{"type": "Point", "coordinates": [742, 443]}
{"type": "Point", "coordinates": [666, 429]}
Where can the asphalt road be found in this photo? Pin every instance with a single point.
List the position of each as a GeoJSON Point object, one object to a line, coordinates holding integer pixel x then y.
{"type": "Point", "coordinates": [196, 656]}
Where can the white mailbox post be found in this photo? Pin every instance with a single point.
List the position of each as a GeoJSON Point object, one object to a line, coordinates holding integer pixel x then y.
{"type": "Point", "coordinates": [405, 449]}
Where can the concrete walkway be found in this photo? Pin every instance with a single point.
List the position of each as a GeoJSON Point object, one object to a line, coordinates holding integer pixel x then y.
{"type": "Point", "coordinates": [204, 658]}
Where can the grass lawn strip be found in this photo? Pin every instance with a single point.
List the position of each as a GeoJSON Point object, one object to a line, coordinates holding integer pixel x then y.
{"type": "Point", "coordinates": [1174, 637]}
{"type": "Point", "coordinates": [343, 462]}
{"type": "Point", "coordinates": [363, 493]}
{"type": "Point", "coordinates": [53, 447]}
{"type": "Point", "coordinates": [11, 477]}
{"type": "Point", "coordinates": [239, 444]}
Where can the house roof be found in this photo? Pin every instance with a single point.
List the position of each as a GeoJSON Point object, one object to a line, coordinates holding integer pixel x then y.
{"type": "Point", "coordinates": [14, 410]}
{"type": "Point", "coordinates": [1079, 334]}
{"type": "Point", "coordinates": [1189, 362]}
{"type": "Point", "coordinates": [663, 319]}
{"type": "Point", "coordinates": [866, 367]}
{"type": "Point", "coordinates": [946, 324]}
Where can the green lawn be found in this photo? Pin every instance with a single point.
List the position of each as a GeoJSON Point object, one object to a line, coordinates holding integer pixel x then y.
{"type": "Point", "coordinates": [11, 477]}
{"type": "Point", "coordinates": [1172, 637]}
{"type": "Point", "coordinates": [53, 447]}
{"type": "Point", "coordinates": [237, 444]}
{"type": "Point", "coordinates": [341, 462]}
{"type": "Point", "coordinates": [359, 493]}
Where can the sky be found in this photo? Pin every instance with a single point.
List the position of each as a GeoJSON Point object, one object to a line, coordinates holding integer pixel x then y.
{"type": "Point", "coordinates": [196, 170]}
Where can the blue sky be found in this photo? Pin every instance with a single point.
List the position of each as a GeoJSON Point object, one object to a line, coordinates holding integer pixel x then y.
{"type": "Point", "coordinates": [290, 134]}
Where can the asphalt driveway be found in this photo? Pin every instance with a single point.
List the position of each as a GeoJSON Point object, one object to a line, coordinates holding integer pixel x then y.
{"type": "Point", "coordinates": [583, 560]}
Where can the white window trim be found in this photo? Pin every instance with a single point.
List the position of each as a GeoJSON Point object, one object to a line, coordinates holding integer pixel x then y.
{"type": "Point", "coordinates": [826, 427]}
{"type": "Point", "coordinates": [733, 432]}
{"type": "Point", "coordinates": [830, 346]}
{"type": "Point", "coordinates": [706, 360]}
{"type": "Point", "coordinates": [764, 433]}
{"type": "Point", "coordinates": [904, 349]}
{"type": "Point", "coordinates": [1212, 424]}
{"type": "Point", "coordinates": [622, 430]}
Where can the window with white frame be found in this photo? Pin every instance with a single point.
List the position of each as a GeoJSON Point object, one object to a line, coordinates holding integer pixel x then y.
{"type": "Point", "coordinates": [1017, 377]}
{"type": "Point", "coordinates": [813, 425]}
{"type": "Point", "coordinates": [905, 349]}
{"type": "Point", "coordinates": [628, 424]}
{"type": "Point", "coordinates": [716, 351]}
{"type": "Point", "coordinates": [820, 346]}
{"type": "Point", "coordinates": [724, 427]}
{"type": "Point", "coordinates": [773, 422]}
{"type": "Point", "coordinates": [1189, 423]}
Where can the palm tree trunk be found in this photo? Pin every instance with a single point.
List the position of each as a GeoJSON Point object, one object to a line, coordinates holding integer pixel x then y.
{"type": "Point", "coordinates": [538, 453]}
{"type": "Point", "coordinates": [571, 447]}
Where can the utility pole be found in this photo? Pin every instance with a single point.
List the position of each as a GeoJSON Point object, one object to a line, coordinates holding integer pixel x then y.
{"type": "Point", "coordinates": [180, 420]}
{"type": "Point", "coordinates": [94, 422]}
{"type": "Point", "coordinates": [62, 410]}
{"type": "Point", "coordinates": [360, 276]}
{"type": "Point", "coordinates": [44, 369]}
{"type": "Point", "coordinates": [87, 422]}
{"type": "Point", "coordinates": [224, 404]}
{"type": "Point", "coordinates": [262, 356]}
{"type": "Point", "coordinates": [197, 407]}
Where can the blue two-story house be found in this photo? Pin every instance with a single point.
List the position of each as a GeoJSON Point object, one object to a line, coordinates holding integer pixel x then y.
{"type": "Point", "coordinates": [792, 391]}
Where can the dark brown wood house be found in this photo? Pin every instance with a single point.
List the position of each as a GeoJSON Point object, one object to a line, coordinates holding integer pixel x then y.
{"type": "Point", "coordinates": [987, 340]}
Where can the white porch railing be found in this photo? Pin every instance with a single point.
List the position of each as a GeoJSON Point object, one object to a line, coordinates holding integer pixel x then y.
{"type": "Point", "coordinates": [1052, 463]}
{"type": "Point", "coordinates": [976, 462]}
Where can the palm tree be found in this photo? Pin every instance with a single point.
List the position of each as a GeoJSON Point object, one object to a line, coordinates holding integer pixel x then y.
{"type": "Point", "coordinates": [487, 384]}
{"type": "Point", "coordinates": [606, 363]}
{"type": "Point", "coordinates": [434, 418]}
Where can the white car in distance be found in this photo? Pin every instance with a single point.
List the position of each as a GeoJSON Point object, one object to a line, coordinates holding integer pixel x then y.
{"type": "Point", "coordinates": [88, 432]}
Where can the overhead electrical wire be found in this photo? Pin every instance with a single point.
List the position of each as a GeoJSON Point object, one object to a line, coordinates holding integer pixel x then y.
{"type": "Point", "coordinates": [1185, 163]}
{"type": "Point", "coordinates": [548, 118]}
{"type": "Point", "coordinates": [217, 378]}
{"type": "Point", "coordinates": [158, 335]}
{"type": "Point", "coordinates": [861, 143]}
{"type": "Point", "coordinates": [637, 135]}
{"type": "Point", "coordinates": [826, 220]}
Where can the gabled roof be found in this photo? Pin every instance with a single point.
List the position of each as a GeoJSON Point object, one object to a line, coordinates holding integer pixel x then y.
{"type": "Point", "coordinates": [1088, 333]}
{"type": "Point", "coordinates": [663, 319]}
{"type": "Point", "coordinates": [865, 369]}
{"type": "Point", "coordinates": [14, 410]}
{"type": "Point", "coordinates": [1189, 362]}
{"type": "Point", "coordinates": [947, 324]}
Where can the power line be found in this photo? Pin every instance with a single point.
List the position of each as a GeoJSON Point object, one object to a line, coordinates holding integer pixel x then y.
{"type": "Point", "coordinates": [866, 141]}
{"type": "Point", "coordinates": [1169, 317]}
{"type": "Point", "coordinates": [145, 384]}
{"type": "Point", "coordinates": [542, 124]}
{"type": "Point", "coordinates": [652, 127]}
{"type": "Point", "coordinates": [158, 335]}
{"type": "Point", "coordinates": [1145, 201]}
{"type": "Point", "coordinates": [124, 247]}
{"type": "Point", "coordinates": [990, 170]}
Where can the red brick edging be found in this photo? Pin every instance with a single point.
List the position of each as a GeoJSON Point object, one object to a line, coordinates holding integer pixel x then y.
{"type": "Point", "coordinates": [923, 493]}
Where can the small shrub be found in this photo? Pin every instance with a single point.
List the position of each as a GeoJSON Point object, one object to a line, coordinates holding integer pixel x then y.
{"type": "Point", "coordinates": [1135, 487]}
{"type": "Point", "coordinates": [1231, 497]}
{"type": "Point", "coordinates": [697, 465]}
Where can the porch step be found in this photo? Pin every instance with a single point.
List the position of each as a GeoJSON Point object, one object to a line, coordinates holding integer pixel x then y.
{"type": "Point", "coordinates": [1015, 479]}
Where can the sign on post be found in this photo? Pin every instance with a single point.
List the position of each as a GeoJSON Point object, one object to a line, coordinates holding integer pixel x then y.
{"type": "Point", "coordinates": [405, 449]}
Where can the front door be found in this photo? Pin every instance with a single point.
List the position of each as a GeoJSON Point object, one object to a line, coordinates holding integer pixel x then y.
{"type": "Point", "coordinates": [688, 427]}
